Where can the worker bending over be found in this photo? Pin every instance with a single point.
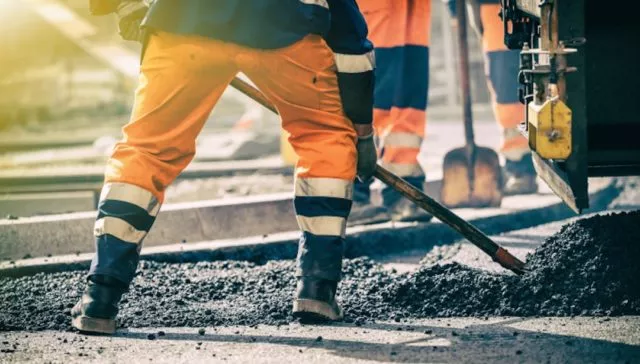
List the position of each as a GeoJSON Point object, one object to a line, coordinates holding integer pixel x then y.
{"type": "Point", "coordinates": [311, 58]}
{"type": "Point", "coordinates": [400, 32]}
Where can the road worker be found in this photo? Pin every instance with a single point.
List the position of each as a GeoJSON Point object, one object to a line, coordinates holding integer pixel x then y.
{"type": "Point", "coordinates": [311, 58]}
{"type": "Point", "coordinates": [501, 68]}
{"type": "Point", "coordinates": [400, 32]}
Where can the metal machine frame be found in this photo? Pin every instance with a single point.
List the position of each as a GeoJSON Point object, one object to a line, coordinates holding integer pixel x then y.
{"type": "Point", "coordinates": [578, 71]}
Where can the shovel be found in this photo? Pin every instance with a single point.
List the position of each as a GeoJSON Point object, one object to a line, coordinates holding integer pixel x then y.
{"type": "Point", "coordinates": [472, 176]}
{"type": "Point", "coordinates": [470, 232]}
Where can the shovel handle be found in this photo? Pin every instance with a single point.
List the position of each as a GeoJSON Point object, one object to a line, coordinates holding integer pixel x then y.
{"type": "Point", "coordinates": [253, 93]}
{"type": "Point", "coordinates": [463, 64]}
{"type": "Point", "coordinates": [475, 236]}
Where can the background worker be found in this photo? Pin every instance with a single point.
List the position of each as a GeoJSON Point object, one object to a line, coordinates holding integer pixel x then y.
{"type": "Point", "coordinates": [400, 32]}
{"type": "Point", "coordinates": [501, 68]}
{"type": "Point", "coordinates": [316, 67]}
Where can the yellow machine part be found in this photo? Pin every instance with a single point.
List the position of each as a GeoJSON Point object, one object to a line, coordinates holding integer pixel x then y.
{"type": "Point", "coordinates": [550, 129]}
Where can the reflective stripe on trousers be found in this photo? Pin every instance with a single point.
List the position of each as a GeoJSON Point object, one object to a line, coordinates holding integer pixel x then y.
{"type": "Point", "coordinates": [322, 206]}
{"type": "Point", "coordinates": [126, 213]}
{"type": "Point", "coordinates": [400, 29]}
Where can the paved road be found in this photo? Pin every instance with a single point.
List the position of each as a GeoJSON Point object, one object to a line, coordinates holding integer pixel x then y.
{"type": "Point", "coordinates": [495, 339]}
{"type": "Point", "coordinates": [505, 340]}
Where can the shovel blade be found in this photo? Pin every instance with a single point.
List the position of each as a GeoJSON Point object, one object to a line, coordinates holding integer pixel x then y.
{"type": "Point", "coordinates": [485, 188]}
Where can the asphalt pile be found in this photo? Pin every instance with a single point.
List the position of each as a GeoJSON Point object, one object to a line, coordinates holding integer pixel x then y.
{"type": "Point", "coordinates": [590, 267]}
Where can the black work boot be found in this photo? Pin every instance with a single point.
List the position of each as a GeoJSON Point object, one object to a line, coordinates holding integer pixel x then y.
{"type": "Point", "coordinates": [96, 310]}
{"type": "Point", "coordinates": [363, 212]}
{"type": "Point", "coordinates": [401, 209]}
{"type": "Point", "coordinates": [315, 301]}
{"type": "Point", "coordinates": [520, 177]}
{"type": "Point", "coordinates": [366, 213]}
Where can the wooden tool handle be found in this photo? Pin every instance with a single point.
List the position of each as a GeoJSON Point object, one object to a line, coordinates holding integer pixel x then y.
{"type": "Point", "coordinates": [253, 93]}
{"type": "Point", "coordinates": [465, 79]}
{"type": "Point", "coordinates": [475, 236]}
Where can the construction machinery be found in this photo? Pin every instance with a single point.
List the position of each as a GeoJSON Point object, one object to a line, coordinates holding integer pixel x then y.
{"type": "Point", "coordinates": [578, 73]}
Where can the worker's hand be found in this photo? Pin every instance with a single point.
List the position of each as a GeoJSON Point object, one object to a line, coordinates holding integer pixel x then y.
{"type": "Point", "coordinates": [130, 15]}
{"type": "Point", "coordinates": [367, 155]}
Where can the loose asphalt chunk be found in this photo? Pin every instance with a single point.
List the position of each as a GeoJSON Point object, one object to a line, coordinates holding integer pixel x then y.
{"type": "Point", "coordinates": [590, 267]}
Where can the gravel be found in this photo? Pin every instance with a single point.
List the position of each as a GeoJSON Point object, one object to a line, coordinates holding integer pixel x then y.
{"type": "Point", "coordinates": [590, 267]}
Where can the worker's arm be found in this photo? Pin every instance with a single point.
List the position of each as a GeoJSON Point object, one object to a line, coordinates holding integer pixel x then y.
{"type": "Point", "coordinates": [354, 59]}
{"type": "Point", "coordinates": [355, 64]}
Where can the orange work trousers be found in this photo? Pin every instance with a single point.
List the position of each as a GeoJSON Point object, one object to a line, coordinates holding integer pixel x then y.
{"type": "Point", "coordinates": [399, 30]}
{"type": "Point", "coordinates": [182, 78]}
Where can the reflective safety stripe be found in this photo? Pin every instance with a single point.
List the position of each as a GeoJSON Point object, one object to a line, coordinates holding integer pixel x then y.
{"type": "Point", "coordinates": [404, 170]}
{"type": "Point", "coordinates": [355, 63]}
{"type": "Point", "coordinates": [323, 225]}
{"type": "Point", "coordinates": [118, 228]}
{"type": "Point", "coordinates": [324, 187]}
{"type": "Point", "coordinates": [403, 140]}
{"type": "Point", "coordinates": [515, 154]}
{"type": "Point", "coordinates": [322, 3]}
{"type": "Point", "coordinates": [132, 194]}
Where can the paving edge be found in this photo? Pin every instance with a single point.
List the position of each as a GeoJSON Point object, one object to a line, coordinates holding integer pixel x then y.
{"type": "Point", "coordinates": [373, 241]}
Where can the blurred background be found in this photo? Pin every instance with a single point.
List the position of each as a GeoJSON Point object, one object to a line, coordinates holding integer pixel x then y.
{"type": "Point", "coordinates": [66, 88]}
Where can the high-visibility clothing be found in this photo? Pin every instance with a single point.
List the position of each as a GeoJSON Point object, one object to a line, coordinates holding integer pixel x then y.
{"type": "Point", "coordinates": [501, 68]}
{"type": "Point", "coordinates": [400, 32]}
{"type": "Point", "coordinates": [272, 24]}
{"type": "Point", "coordinates": [181, 79]}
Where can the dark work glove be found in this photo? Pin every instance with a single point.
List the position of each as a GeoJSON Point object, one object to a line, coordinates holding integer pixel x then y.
{"type": "Point", "coordinates": [367, 157]}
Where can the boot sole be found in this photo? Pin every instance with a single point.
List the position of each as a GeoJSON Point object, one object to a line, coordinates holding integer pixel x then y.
{"type": "Point", "coordinates": [88, 324]}
{"type": "Point", "coordinates": [312, 311]}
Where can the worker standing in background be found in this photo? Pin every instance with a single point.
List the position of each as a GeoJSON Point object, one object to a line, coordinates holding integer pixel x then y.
{"type": "Point", "coordinates": [312, 59]}
{"type": "Point", "coordinates": [501, 68]}
{"type": "Point", "coordinates": [400, 32]}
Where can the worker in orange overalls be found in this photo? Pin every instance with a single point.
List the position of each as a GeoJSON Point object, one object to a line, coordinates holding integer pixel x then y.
{"type": "Point", "coordinates": [311, 58]}
{"type": "Point", "coordinates": [502, 67]}
{"type": "Point", "coordinates": [400, 32]}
